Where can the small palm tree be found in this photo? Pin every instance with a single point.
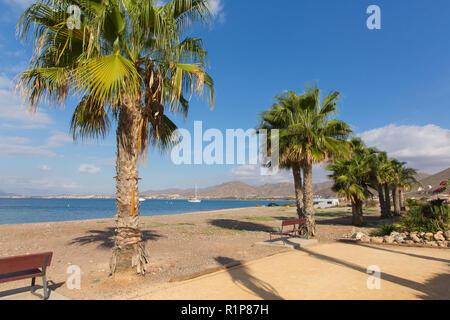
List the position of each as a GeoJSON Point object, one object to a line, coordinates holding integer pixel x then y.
{"type": "Point", "coordinates": [352, 177]}
{"type": "Point", "coordinates": [403, 178]}
{"type": "Point", "coordinates": [128, 64]}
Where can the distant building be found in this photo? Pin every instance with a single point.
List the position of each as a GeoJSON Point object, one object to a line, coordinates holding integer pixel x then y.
{"type": "Point", "coordinates": [325, 203]}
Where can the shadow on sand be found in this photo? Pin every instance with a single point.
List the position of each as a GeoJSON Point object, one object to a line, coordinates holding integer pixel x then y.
{"type": "Point", "coordinates": [342, 219]}
{"type": "Point", "coordinates": [105, 238]}
{"type": "Point", "coordinates": [240, 225]}
{"type": "Point", "coordinates": [434, 288]}
{"type": "Point", "coordinates": [51, 285]}
{"type": "Point", "coordinates": [243, 279]}
{"type": "Point", "coordinates": [404, 253]}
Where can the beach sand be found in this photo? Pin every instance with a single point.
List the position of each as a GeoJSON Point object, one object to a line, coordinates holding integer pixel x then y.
{"type": "Point", "coordinates": [179, 245]}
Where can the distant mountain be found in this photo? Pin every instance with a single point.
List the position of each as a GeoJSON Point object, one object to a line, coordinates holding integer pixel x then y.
{"type": "Point", "coordinates": [4, 194]}
{"type": "Point", "coordinates": [235, 190]}
{"type": "Point", "coordinates": [422, 175]}
{"type": "Point", "coordinates": [434, 180]}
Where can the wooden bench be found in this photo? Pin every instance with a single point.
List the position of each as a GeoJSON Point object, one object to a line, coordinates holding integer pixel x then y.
{"type": "Point", "coordinates": [299, 227]}
{"type": "Point", "coordinates": [25, 267]}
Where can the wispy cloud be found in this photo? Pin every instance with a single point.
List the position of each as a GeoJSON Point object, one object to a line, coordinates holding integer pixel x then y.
{"type": "Point", "coordinates": [58, 140]}
{"type": "Point", "coordinates": [40, 186]}
{"type": "Point", "coordinates": [89, 168]}
{"type": "Point", "coordinates": [44, 167]}
{"type": "Point", "coordinates": [13, 113]}
{"type": "Point", "coordinates": [20, 146]}
{"type": "Point", "coordinates": [217, 10]}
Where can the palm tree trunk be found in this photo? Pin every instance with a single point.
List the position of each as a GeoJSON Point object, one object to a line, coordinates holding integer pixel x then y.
{"type": "Point", "coordinates": [296, 172]}
{"type": "Point", "coordinates": [308, 196]}
{"type": "Point", "coordinates": [382, 201]}
{"type": "Point", "coordinates": [387, 199]}
{"type": "Point", "coordinates": [129, 248]}
{"type": "Point", "coordinates": [395, 200]}
{"type": "Point", "coordinates": [357, 217]}
{"type": "Point", "coordinates": [402, 200]}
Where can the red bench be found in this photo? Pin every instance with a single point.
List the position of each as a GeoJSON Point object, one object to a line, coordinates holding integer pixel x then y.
{"type": "Point", "coordinates": [299, 227]}
{"type": "Point", "coordinates": [25, 267]}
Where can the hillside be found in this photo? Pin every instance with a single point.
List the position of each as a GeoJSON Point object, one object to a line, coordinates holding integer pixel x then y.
{"type": "Point", "coordinates": [4, 194]}
{"type": "Point", "coordinates": [432, 182]}
{"type": "Point", "coordinates": [237, 190]}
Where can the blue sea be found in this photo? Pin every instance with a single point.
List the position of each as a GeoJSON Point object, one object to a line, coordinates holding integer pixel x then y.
{"type": "Point", "coordinates": [17, 211]}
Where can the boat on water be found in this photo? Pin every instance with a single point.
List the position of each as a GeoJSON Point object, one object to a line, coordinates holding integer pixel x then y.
{"type": "Point", "coordinates": [196, 199]}
{"type": "Point", "coordinates": [142, 199]}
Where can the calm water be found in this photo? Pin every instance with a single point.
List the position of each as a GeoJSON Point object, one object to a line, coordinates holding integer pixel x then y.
{"type": "Point", "coordinates": [15, 211]}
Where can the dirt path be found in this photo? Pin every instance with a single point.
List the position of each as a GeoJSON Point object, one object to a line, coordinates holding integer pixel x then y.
{"type": "Point", "coordinates": [179, 245]}
{"type": "Point", "coordinates": [329, 271]}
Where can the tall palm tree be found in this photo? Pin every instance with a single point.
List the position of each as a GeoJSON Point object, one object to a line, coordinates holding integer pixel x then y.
{"type": "Point", "coordinates": [127, 63]}
{"type": "Point", "coordinates": [352, 177]}
{"type": "Point", "coordinates": [280, 116]}
{"type": "Point", "coordinates": [317, 138]}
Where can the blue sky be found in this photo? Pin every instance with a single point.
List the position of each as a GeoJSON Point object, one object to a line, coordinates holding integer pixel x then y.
{"type": "Point", "coordinates": [395, 84]}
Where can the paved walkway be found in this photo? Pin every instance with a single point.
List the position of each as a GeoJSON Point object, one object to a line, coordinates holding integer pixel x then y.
{"type": "Point", "coordinates": [324, 271]}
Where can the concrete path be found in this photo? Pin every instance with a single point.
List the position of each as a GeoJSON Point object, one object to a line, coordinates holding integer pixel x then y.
{"type": "Point", "coordinates": [324, 271]}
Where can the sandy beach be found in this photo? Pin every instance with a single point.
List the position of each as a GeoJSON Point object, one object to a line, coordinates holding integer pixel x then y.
{"type": "Point", "coordinates": [179, 245]}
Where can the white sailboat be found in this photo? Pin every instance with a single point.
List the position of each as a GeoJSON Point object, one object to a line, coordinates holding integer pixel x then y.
{"type": "Point", "coordinates": [196, 199]}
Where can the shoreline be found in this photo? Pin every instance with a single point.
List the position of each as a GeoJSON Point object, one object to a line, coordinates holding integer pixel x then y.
{"type": "Point", "coordinates": [112, 218]}
{"type": "Point", "coordinates": [143, 215]}
{"type": "Point", "coordinates": [113, 198]}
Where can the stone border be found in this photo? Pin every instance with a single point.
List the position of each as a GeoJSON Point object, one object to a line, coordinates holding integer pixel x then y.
{"type": "Point", "coordinates": [416, 245]}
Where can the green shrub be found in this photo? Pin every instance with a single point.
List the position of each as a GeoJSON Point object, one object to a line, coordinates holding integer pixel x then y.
{"type": "Point", "coordinates": [384, 230]}
{"type": "Point", "coordinates": [430, 217]}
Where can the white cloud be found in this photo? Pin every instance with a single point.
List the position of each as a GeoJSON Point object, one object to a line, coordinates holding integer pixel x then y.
{"type": "Point", "coordinates": [40, 186]}
{"type": "Point", "coordinates": [216, 7]}
{"type": "Point", "coordinates": [89, 168]}
{"type": "Point", "coordinates": [58, 140]}
{"type": "Point", "coordinates": [426, 148]}
{"type": "Point", "coordinates": [45, 168]}
{"type": "Point", "coordinates": [12, 112]}
{"type": "Point", "coordinates": [13, 149]}
{"type": "Point", "coordinates": [20, 146]}
{"type": "Point", "coordinates": [14, 140]}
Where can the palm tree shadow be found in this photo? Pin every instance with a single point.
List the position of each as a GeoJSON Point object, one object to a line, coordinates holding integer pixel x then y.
{"type": "Point", "coordinates": [399, 252]}
{"type": "Point", "coordinates": [105, 238]}
{"type": "Point", "coordinates": [240, 225]}
{"type": "Point", "coordinates": [435, 288]}
{"type": "Point", "coordinates": [346, 220]}
{"type": "Point", "coordinates": [242, 278]}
